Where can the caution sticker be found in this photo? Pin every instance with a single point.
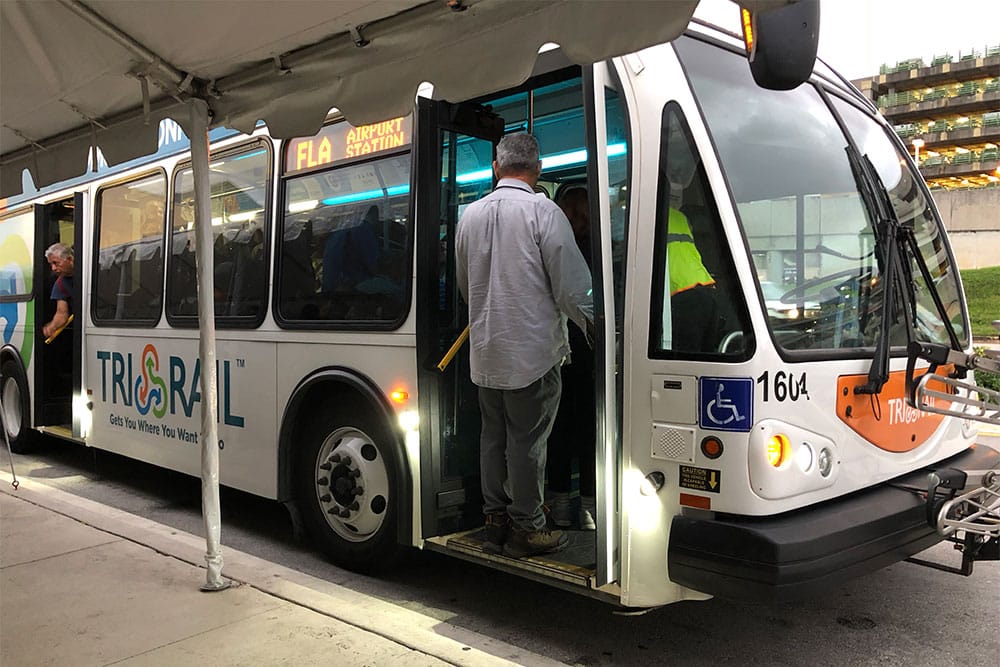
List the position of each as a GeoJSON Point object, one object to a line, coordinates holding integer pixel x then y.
{"type": "Point", "coordinates": [701, 479]}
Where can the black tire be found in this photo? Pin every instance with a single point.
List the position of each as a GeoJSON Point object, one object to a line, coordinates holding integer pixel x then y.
{"type": "Point", "coordinates": [346, 487]}
{"type": "Point", "coordinates": [15, 400]}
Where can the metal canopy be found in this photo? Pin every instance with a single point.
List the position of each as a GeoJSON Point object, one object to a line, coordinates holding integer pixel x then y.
{"type": "Point", "coordinates": [103, 72]}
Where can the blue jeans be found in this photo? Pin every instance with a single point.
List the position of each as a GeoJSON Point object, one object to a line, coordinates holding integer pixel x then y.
{"type": "Point", "coordinates": [516, 425]}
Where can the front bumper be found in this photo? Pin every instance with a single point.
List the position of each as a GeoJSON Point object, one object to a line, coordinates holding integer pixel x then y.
{"type": "Point", "coordinates": [801, 553]}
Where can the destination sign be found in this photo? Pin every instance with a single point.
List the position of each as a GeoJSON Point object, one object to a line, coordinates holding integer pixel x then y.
{"type": "Point", "coordinates": [343, 141]}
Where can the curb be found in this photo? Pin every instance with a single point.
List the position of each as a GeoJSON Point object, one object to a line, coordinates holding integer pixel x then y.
{"type": "Point", "coordinates": [405, 627]}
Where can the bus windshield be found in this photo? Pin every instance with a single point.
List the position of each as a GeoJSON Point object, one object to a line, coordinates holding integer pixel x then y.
{"type": "Point", "coordinates": [813, 237]}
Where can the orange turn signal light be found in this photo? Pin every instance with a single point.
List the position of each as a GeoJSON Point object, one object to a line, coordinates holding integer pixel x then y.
{"type": "Point", "coordinates": [399, 396]}
{"type": "Point", "coordinates": [778, 449]}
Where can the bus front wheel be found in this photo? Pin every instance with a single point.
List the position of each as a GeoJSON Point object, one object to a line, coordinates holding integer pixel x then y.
{"type": "Point", "coordinates": [14, 403]}
{"type": "Point", "coordinates": [346, 488]}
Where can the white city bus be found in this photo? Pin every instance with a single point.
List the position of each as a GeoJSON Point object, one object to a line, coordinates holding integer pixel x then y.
{"type": "Point", "coordinates": [775, 456]}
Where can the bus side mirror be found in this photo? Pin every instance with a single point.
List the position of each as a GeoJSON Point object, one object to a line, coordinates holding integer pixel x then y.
{"type": "Point", "coordinates": [781, 43]}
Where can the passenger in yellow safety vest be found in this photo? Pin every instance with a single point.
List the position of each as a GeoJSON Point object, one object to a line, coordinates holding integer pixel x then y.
{"type": "Point", "coordinates": [692, 290]}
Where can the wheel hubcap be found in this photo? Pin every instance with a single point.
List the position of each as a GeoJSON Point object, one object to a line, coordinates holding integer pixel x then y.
{"type": "Point", "coordinates": [352, 484]}
{"type": "Point", "coordinates": [11, 407]}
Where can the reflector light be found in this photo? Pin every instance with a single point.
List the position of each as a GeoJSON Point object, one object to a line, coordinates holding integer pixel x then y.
{"type": "Point", "coordinates": [746, 19]}
{"type": "Point", "coordinates": [711, 447]}
{"type": "Point", "coordinates": [777, 449]}
{"type": "Point", "coordinates": [691, 500]}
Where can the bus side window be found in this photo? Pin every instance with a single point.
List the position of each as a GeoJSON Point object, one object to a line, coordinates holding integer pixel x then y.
{"type": "Point", "coordinates": [239, 183]}
{"type": "Point", "coordinates": [347, 262]}
{"type": "Point", "coordinates": [128, 278]}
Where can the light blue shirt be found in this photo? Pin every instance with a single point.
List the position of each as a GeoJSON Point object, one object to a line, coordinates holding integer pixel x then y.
{"type": "Point", "coordinates": [521, 272]}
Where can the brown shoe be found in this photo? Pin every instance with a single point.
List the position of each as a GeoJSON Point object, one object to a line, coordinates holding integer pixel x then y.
{"type": "Point", "coordinates": [521, 543]}
{"type": "Point", "coordinates": [495, 535]}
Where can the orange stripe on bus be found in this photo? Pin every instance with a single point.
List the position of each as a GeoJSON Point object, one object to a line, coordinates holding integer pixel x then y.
{"type": "Point", "coordinates": [885, 420]}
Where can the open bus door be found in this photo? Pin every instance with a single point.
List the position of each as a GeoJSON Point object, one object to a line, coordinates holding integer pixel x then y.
{"type": "Point", "coordinates": [455, 145]}
{"type": "Point", "coordinates": [57, 362]}
{"type": "Point", "coordinates": [454, 167]}
{"type": "Point", "coordinates": [608, 175]}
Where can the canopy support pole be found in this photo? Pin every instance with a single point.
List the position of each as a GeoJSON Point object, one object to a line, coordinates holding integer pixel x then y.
{"type": "Point", "coordinates": [205, 258]}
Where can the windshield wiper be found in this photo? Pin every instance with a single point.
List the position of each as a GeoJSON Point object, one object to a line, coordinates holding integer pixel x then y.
{"type": "Point", "coordinates": [925, 273]}
{"type": "Point", "coordinates": [888, 232]}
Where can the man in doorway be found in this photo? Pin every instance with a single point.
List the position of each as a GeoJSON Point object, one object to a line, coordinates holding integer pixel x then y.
{"type": "Point", "coordinates": [60, 259]}
{"type": "Point", "coordinates": [521, 272]}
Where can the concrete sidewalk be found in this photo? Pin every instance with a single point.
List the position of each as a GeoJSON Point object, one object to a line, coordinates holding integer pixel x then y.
{"type": "Point", "coordinates": [86, 584]}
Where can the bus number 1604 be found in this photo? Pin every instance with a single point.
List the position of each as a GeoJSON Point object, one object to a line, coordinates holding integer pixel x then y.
{"type": "Point", "coordinates": [786, 386]}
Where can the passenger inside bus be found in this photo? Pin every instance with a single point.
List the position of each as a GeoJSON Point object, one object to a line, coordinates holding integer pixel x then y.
{"type": "Point", "coordinates": [257, 244]}
{"type": "Point", "coordinates": [58, 332]}
{"type": "Point", "coordinates": [694, 310]}
{"type": "Point", "coordinates": [152, 218]}
{"type": "Point", "coordinates": [573, 433]}
{"type": "Point", "coordinates": [60, 260]}
{"type": "Point", "coordinates": [350, 254]}
{"type": "Point", "coordinates": [699, 314]}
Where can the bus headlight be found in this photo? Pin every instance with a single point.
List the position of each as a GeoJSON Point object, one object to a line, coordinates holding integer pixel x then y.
{"type": "Point", "coordinates": [804, 457]}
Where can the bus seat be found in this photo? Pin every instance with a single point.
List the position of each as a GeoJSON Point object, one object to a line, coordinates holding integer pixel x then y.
{"type": "Point", "coordinates": [247, 285]}
{"type": "Point", "coordinates": [298, 279]}
{"type": "Point", "coordinates": [184, 284]}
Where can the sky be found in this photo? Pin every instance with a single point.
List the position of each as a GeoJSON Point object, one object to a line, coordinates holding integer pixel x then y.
{"type": "Point", "coordinates": [857, 36]}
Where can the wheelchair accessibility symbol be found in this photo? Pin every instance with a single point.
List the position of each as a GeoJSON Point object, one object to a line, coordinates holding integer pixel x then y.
{"type": "Point", "coordinates": [726, 404]}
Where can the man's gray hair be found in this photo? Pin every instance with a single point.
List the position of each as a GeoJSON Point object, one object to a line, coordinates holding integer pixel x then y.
{"type": "Point", "coordinates": [60, 250]}
{"type": "Point", "coordinates": [517, 153]}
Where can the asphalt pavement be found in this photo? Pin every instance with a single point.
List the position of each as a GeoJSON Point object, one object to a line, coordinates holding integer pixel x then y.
{"type": "Point", "coordinates": [86, 584]}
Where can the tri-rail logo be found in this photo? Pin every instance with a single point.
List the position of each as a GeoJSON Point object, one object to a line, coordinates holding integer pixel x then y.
{"type": "Point", "coordinates": [155, 390]}
{"type": "Point", "coordinates": [901, 413]}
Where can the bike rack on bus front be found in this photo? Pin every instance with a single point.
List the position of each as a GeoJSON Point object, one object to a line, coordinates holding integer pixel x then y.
{"type": "Point", "coordinates": [984, 402]}
{"type": "Point", "coordinates": [970, 520]}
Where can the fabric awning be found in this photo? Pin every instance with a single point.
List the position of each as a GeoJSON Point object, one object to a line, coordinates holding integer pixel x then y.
{"type": "Point", "coordinates": [105, 72]}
